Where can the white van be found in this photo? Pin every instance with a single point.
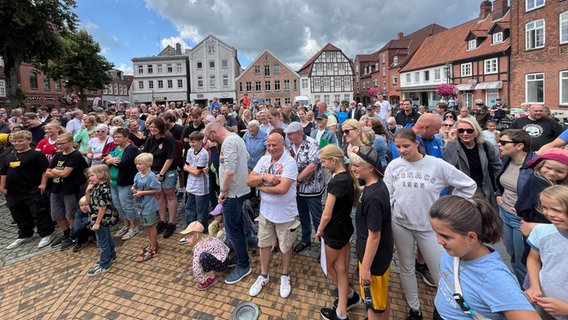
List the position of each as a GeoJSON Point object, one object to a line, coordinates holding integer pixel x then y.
{"type": "Point", "coordinates": [302, 100]}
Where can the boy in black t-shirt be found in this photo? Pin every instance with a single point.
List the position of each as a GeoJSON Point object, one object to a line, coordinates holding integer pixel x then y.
{"type": "Point", "coordinates": [23, 182]}
{"type": "Point", "coordinates": [374, 235]}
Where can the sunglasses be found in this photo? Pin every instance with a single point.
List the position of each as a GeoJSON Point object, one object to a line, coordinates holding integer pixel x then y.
{"type": "Point", "coordinates": [448, 125]}
{"type": "Point", "coordinates": [99, 131]}
{"type": "Point", "coordinates": [505, 142]}
{"type": "Point", "coordinates": [449, 116]}
{"type": "Point", "coordinates": [346, 131]}
{"type": "Point", "coordinates": [462, 130]}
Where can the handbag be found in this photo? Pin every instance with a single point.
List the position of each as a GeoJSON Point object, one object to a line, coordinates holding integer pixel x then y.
{"type": "Point", "coordinates": [458, 297]}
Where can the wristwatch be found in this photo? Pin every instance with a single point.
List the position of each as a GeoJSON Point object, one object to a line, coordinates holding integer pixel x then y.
{"type": "Point", "coordinates": [160, 175]}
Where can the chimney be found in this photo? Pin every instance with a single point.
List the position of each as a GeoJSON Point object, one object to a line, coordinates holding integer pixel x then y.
{"type": "Point", "coordinates": [400, 35]}
{"type": "Point", "coordinates": [485, 9]}
{"type": "Point", "coordinates": [178, 49]}
{"type": "Point", "coordinates": [500, 7]}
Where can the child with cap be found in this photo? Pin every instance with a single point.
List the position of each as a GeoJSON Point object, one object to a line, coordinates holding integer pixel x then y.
{"type": "Point", "coordinates": [209, 255]}
{"type": "Point", "coordinates": [217, 228]}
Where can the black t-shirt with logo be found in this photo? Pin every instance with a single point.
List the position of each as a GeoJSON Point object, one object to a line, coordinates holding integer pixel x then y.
{"type": "Point", "coordinates": [23, 171]}
{"type": "Point", "coordinates": [542, 131]}
{"type": "Point", "coordinates": [162, 149]}
{"type": "Point", "coordinates": [340, 226]}
{"type": "Point", "coordinates": [73, 182]}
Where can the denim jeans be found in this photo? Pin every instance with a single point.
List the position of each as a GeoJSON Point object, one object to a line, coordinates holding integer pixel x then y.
{"type": "Point", "coordinates": [234, 228]}
{"type": "Point", "coordinates": [106, 246]}
{"type": "Point", "coordinates": [81, 227]}
{"type": "Point", "coordinates": [514, 243]}
{"type": "Point", "coordinates": [309, 206]}
{"type": "Point", "coordinates": [197, 207]}
{"type": "Point", "coordinates": [123, 201]}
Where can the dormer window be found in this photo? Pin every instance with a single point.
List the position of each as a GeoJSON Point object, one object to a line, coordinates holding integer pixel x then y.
{"type": "Point", "coordinates": [497, 37]}
{"type": "Point", "coordinates": [472, 44]}
{"type": "Point", "coordinates": [395, 60]}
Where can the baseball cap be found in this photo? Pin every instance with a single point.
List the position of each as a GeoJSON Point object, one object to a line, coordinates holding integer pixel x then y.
{"type": "Point", "coordinates": [370, 108]}
{"type": "Point", "coordinates": [194, 226]}
{"type": "Point", "coordinates": [294, 127]}
{"type": "Point", "coordinates": [556, 154]}
{"type": "Point", "coordinates": [321, 116]}
{"type": "Point", "coordinates": [479, 102]}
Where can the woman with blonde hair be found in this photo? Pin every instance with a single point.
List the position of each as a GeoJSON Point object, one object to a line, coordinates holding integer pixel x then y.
{"type": "Point", "coordinates": [352, 134]}
{"type": "Point", "coordinates": [47, 145]}
{"type": "Point", "coordinates": [473, 156]}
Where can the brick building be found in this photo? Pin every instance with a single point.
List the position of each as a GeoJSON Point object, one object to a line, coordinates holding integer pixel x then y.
{"type": "Point", "coordinates": [539, 53]}
{"type": "Point", "coordinates": [269, 78]}
{"type": "Point", "coordinates": [365, 65]}
{"type": "Point", "coordinates": [39, 90]}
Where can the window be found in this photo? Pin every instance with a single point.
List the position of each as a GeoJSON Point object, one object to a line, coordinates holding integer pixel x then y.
{"type": "Point", "coordinates": [180, 83]}
{"type": "Point", "coordinates": [375, 82]}
{"type": "Point", "coordinates": [384, 85]}
{"type": "Point", "coordinates": [249, 86]}
{"type": "Point", "coordinates": [337, 83]}
{"type": "Point", "coordinates": [150, 69]}
{"type": "Point", "coordinates": [211, 49]}
{"type": "Point", "coordinates": [2, 64]}
{"type": "Point", "coordinates": [33, 80]}
{"type": "Point", "coordinates": [140, 85]}
{"type": "Point", "coordinates": [266, 58]}
{"type": "Point", "coordinates": [497, 37]}
{"type": "Point", "coordinates": [160, 68]}
{"type": "Point", "coordinates": [268, 101]}
{"type": "Point", "coordinates": [160, 84]}
{"type": "Point", "coordinates": [276, 68]}
{"type": "Point", "coordinates": [337, 97]}
{"type": "Point", "coordinates": [170, 84]}
{"type": "Point", "coordinates": [383, 58]}
{"type": "Point", "coordinates": [394, 79]}
{"type": "Point", "coordinates": [346, 97]}
{"type": "Point", "coordinates": [395, 60]}
{"type": "Point", "coordinates": [317, 97]}
{"type": "Point", "coordinates": [286, 85]}
{"type": "Point", "coordinates": [178, 68]}
{"type": "Point", "coordinates": [535, 34]}
{"type": "Point", "coordinates": [304, 83]}
{"type": "Point", "coordinates": [256, 69]}
{"type": "Point", "coordinates": [384, 72]}
{"type": "Point", "coordinates": [276, 85]}
{"type": "Point", "coordinates": [563, 27]}
{"type": "Point", "coordinates": [225, 81]}
{"type": "Point", "coordinates": [407, 78]}
{"type": "Point", "coordinates": [140, 69]}
{"type": "Point", "coordinates": [466, 69]}
{"type": "Point", "coordinates": [241, 86]}
{"type": "Point", "coordinates": [199, 65]}
{"type": "Point", "coordinates": [46, 84]}
{"type": "Point", "coordinates": [151, 84]}
{"type": "Point", "coordinates": [58, 85]}
{"type": "Point", "coordinates": [427, 76]}
{"type": "Point", "coordinates": [287, 100]}
{"type": "Point", "coordinates": [257, 86]}
{"type": "Point", "coordinates": [200, 81]}
{"type": "Point", "coordinates": [472, 44]}
{"type": "Point", "coordinates": [534, 88]}
{"type": "Point", "coordinates": [317, 83]}
{"type": "Point", "coordinates": [170, 68]}
{"type": "Point", "coordinates": [563, 88]}
{"type": "Point", "coordinates": [491, 95]}
{"type": "Point", "coordinates": [224, 63]}
{"type": "Point", "coordinates": [211, 64]}
{"type": "Point", "coordinates": [295, 84]}
{"type": "Point", "coordinates": [267, 71]}
{"type": "Point", "coordinates": [267, 85]}
{"type": "Point", "coordinates": [2, 88]}
{"type": "Point", "coordinates": [212, 81]}
{"type": "Point", "coordinates": [105, 89]}
{"type": "Point", "coordinates": [326, 82]}
{"type": "Point", "coordinates": [490, 66]}
{"type": "Point", "coordinates": [417, 77]}
{"type": "Point", "coordinates": [437, 74]}
{"type": "Point", "coordinates": [534, 4]}
{"type": "Point", "coordinates": [326, 99]}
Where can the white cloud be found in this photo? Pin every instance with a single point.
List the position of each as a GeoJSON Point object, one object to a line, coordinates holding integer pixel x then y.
{"type": "Point", "coordinates": [164, 42]}
{"type": "Point", "coordinates": [126, 68]}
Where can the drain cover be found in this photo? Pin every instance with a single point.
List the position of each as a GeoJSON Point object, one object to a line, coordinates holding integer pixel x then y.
{"type": "Point", "coordinates": [245, 311]}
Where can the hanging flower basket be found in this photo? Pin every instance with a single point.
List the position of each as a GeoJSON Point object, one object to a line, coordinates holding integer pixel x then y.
{"type": "Point", "coordinates": [69, 100]}
{"type": "Point", "coordinates": [446, 89]}
{"type": "Point", "coordinates": [373, 92]}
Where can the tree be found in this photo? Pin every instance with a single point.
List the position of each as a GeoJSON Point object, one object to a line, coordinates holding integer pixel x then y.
{"type": "Point", "coordinates": [82, 66]}
{"type": "Point", "coordinates": [32, 32]}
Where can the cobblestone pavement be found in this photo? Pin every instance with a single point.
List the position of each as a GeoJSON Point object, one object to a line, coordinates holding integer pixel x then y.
{"type": "Point", "coordinates": [52, 284]}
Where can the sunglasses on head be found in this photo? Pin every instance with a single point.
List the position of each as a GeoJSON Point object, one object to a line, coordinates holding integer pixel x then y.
{"type": "Point", "coordinates": [462, 130]}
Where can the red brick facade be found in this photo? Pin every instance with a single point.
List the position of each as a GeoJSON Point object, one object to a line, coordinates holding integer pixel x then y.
{"type": "Point", "coordinates": [543, 64]}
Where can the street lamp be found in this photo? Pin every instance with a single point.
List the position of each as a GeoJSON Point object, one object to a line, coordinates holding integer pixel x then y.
{"type": "Point", "coordinates": [448, 70]}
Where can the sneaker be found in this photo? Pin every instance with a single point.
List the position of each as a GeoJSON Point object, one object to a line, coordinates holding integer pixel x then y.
{"type": "Point", "coordinates": [130, 234]}
{"type": "Point", "coordinates": [120, 233]}
{"type": "Point", "coordinates": [182, 241]}
{"type": "Point", "coordinates": [285, 286]}
{"type": "Point", "coordinates": [414, 315]}
{"type": "Point", "coordinates": [96, 270]}
{"type": "Point", "coordinates": [258, 284]}
{"type": "Point", "coordinates": [66, 244]}
{"type": "Point", "coordinates": [422, 271]}
{"type": "Point", "coordinates": [45, 241]}
{"type": "Point", "coordinates": [170, 229]}
{"type": "Point", "coordinates": [161, 226]}
{"type": "Point", "coordinates": [231, 262]}
{"type": "Point", "coordinates": [351, 302]}
{"type": "Point", "coordinates": [78, 246]}
{"type": "Point", "coordinates": [237, 275]}
{"type": "Point", "coordinates": [329, 314]}
{"type": "Point", "coordinates": [58, 242]}
{"type": "Point", "coordinates": [208, 283]}
{"type": "Point", "coordinates": [18, 242]}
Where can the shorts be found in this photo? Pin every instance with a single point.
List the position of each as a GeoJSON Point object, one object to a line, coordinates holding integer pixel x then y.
{"type": "Point", "coordinates": [379, 290]}
{"type": "Point", "coordinates": [63, 206]}
{"type": "Point", "coordinates": [268, 232]}
{"type": "Point", "coordinates": [337, 242]}
{"type": "Point", "coordinates": [149, 219]}
{"type": "Point", "coordinates": [170, 180]}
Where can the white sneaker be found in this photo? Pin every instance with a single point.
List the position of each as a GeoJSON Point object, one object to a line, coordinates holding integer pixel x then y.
{"type": "Point", "coordinates": [258, 284]}
{"type": "Point", "coordinates": [120, 233]}
{"type": "Point", "coordinates": [45, 241]}
{"type": "Point", "coordinates": [130, 234]}
{"type": "Point", "coordinates": [18, 242]}
{"type": "Point", "coordinates": [285, 286]}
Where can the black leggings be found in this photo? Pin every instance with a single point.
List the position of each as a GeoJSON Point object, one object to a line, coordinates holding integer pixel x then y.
{"type": "Point", "coordinates": [209, 262]}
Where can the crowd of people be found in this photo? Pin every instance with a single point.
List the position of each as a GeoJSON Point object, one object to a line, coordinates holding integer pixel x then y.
{"type": "Point", "coordinates": [440, 187]}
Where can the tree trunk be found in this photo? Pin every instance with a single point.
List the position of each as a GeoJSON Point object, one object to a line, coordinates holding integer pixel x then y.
{"type": "Point", "coordinates": [15, 94]}
{"type": "Point", "coordinates": [82, 100]}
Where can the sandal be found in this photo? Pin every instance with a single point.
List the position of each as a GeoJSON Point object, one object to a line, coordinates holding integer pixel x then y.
{"type": "Point", "coordinates": [147, 255]}
{"type": "Point", "coordinates": [147, 248]}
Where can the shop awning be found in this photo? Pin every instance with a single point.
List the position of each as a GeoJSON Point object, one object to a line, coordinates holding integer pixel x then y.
{"type": "Point", "coordinates": [465, 86]}
{"type": "Point", "coordinates": [417, 89]}
{"type": "Point", "coordinates": [489, 85]}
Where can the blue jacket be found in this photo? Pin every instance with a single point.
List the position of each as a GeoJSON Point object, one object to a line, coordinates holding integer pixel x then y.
{"type": "Point", "coordinates": [524, 173]}
{"type": "Point", "coordinates": [327, 134]}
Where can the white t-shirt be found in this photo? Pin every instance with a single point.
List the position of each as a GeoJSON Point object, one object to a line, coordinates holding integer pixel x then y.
{"type": "Point", "coordinates": [279, 208]}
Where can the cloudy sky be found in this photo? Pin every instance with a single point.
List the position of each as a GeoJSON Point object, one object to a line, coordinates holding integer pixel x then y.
{"type": "Point", "coordinates": [294, 30]}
